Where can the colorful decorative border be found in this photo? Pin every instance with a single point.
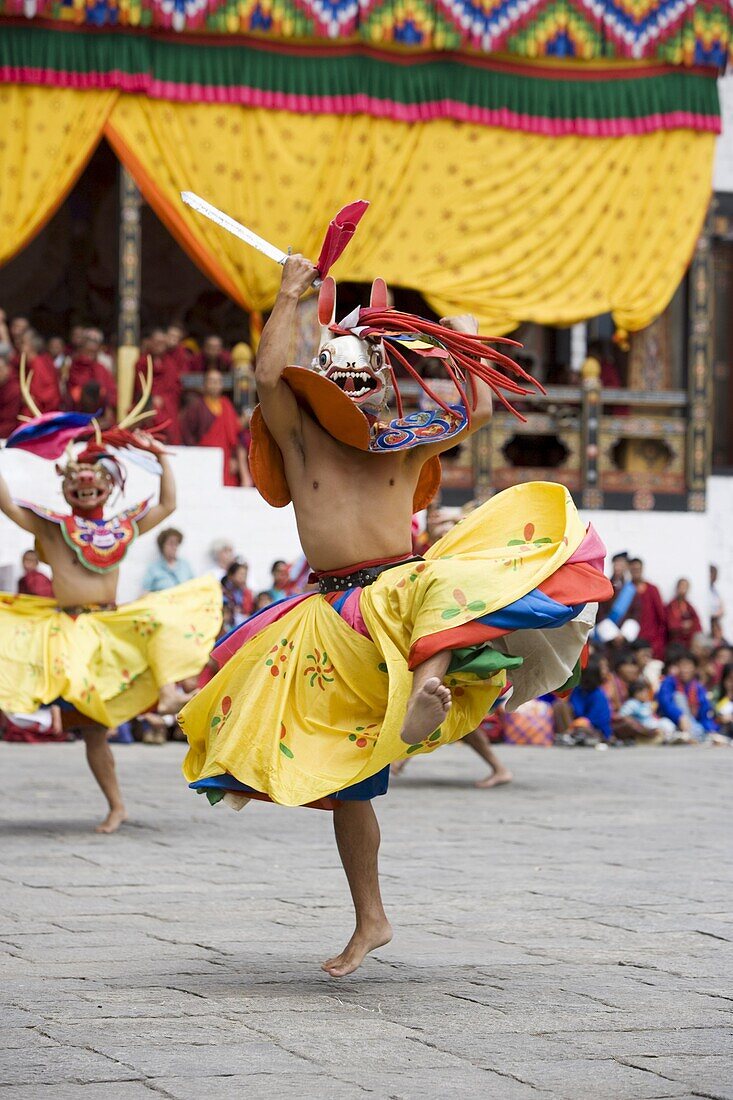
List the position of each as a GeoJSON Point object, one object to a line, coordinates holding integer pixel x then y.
{"type": "Point", "coordinates": [544, 98]}
{"type": "Point", "coordinates": [677, 32]}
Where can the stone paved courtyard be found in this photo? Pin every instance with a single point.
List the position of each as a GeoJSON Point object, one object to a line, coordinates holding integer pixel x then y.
{"type": "Point", "coordinates": [568, 936]}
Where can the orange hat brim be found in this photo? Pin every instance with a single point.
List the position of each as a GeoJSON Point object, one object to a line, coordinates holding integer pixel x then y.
{"type": "Point", "coordinates": [340, 418]}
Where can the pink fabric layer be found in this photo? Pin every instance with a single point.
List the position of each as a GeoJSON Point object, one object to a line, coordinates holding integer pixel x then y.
{"type": "Point", "coordinates": [226, 649]}
{"type": "Point", "coordinates": [591, 550]}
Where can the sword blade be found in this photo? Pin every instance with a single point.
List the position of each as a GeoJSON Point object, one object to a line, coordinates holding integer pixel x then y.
{"type": "Point", "coordinates": [201, 206]}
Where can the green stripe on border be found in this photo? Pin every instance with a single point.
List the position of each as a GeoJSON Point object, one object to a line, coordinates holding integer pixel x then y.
{"type": "Point", "coordinates": [191, 71]}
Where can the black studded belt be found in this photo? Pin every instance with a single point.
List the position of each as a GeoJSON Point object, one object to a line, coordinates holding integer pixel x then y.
{"type": "Point", "coordinates": [361, 578]}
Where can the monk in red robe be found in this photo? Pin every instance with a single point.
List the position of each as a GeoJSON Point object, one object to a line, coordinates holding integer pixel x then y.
{"type": "Point", "coordinates": [168, 365]}
{"type": "Point", "coordinates": [683, 622]}
{"type": "Point", "coordinates": [34, 582]}
{"type": "Point", "coordinates": [44, 381]}
{"type": "Point", "coordinates": [648, 610]}
{"type": "Point", "coordinates": [11, 401]}
{"type": "Point", "coordinates": [212, 356]}
{"type": "Point", "coordinates": [85, 368]}
{"type": "Point", "coordinates": [211, 421]}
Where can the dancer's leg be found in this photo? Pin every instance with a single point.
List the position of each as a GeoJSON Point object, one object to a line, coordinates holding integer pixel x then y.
{"type": "Point", "coordinates": [102, 765]}
{"type": "Point", "coordinates": [499, 773]}
{"type": "Point", "coordinates": [429, 700]}
{"type": "Point", "coordinates": [357, 836]}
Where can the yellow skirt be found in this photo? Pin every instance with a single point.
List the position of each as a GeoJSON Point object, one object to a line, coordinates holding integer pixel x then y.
{"type": "Point", "coordinates": [109, 665]}
{"type": "Point", "coordinates": [313, 693]}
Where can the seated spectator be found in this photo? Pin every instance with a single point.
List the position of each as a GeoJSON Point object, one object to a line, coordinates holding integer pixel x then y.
{"type": "Point", "coordinates": [683, 699]}
{"type": "Point", "coordinates": [166, 393]}
{"type": "Point", "coordinates": [638, 718]}
{"type": "Point", "coordinates": [18, 327]}
{"type": "Point", "coordinates": [683, 621]}
{"type": "Point", "coordinates": [87, 367]}
{"type": "Point", "coordinates": [280, 581]}
{"type": "Point", "coordinates": [169, 570]}
{"type": "Point", "coordinates": [649, 668]}
{"type": "Point", "coordinates": [176, 339]}
{"type": "Point", "coordinates": [56, 348]}
{"type": "Point", "coordinates": [721, 656]}
{"type": "Point", "coordinates": [262, 600]}
{"type": "Point", "coordinates": [626, 668]}
{"type": "Point", "coordinates": [212, 356]}
{"type": "Point", "coordinates": [723, 701]}
{"type": "Point", "coordinates": [586, 718]}
{"type": "Point", "coordinates": [76, 338]}
{"type": "Point", "coordinates": [239, 600]}
{"type": "Point", "coordinates": [613, 687]}
{"type": "Point", "coordinates": [11, 401]}
{"type": "Point", "coordinates": [34, 582]}
{"type": "Point", "coordinates": [222, 553]}
{"type": "Point", "coordinates": [211, 421]}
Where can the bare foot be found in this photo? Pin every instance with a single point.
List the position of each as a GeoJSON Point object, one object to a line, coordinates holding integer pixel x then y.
{"type": "Point", "coordinates": [361, 943]}
{"type": "Point", "coordinates": [497, 779]}
{"type": "Point", "coordinates": [425, 711]}
{"type": "Point", "coordinates": [113, 820]}
{"type": "Point", "coordinates": [172, 699]}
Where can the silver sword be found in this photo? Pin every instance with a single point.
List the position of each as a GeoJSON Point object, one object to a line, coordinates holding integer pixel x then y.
{"type": "Point", "coordinates": [201, 206]}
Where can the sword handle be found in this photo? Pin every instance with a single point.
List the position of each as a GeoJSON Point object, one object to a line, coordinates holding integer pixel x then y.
{"type": "Point", "coordinates": [317, 282]}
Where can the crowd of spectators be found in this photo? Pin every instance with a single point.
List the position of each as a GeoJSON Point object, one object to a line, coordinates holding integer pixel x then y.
{"type": "Point", "coordinates": [189, 381]}
{"type": "Point", "coordinates": [653, 674]}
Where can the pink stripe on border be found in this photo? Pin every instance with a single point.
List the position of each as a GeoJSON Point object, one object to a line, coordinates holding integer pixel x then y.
{"type": "Point", "coordinates": [361, 103]}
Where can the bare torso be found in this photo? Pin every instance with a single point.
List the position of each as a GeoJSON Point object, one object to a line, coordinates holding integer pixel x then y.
{"type": "Point", "coordinates": [73, 583]}
{"type": "Point", "coordinates": [350, 506]}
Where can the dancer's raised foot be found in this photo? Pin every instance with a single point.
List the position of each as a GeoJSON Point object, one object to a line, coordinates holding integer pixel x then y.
{"type": "Point", "coordinates": [116, 817]}
{"type": "Point", "coordinates": [365, 939]}
{"type": "Point", "coordinates": [496, 779]}
{"type": "Point", "coordinates": [426, 709]}
{"type": "Point", "coordinates": [172, 699]}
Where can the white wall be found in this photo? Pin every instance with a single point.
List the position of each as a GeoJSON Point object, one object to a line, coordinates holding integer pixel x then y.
{"type": "Point", "coordinates": [671, 545]}
{"type": "Point", "coordinates": [206, 511]}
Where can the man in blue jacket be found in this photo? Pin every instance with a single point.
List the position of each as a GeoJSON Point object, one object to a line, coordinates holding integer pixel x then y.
{"type": "Point", "coordinates": [683, 699]}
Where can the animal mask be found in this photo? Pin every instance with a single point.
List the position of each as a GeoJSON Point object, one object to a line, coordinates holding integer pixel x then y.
{"type": "Point", "coordinates": [359, 355]}
{"type": "Point", "coordinates": [358, 366]}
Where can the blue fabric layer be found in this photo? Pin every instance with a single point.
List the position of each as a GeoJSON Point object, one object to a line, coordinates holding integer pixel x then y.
{"type": "Point", "coordinates": [535, 611]}
{"type": "Point", "coordinates": [54, 422]}
{"type": "Point", "coordinates": [359, 792]}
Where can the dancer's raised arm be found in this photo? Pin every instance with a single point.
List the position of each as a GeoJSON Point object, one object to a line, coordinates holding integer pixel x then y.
{"type": "Point", "coordinates": [167, 496]}
{"type": "Point", "coordinates": [279, 407]}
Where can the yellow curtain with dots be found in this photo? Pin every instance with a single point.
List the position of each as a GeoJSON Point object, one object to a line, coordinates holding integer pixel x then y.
{"type": "Point", "coordinates": [46, 137]}
{"type": "Point", "coordinates": [509, 226]}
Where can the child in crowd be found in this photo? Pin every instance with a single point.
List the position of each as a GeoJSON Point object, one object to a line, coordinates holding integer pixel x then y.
{"type": "Point", "coordinates": [612, 686]}
{"type": "Point", "coordinates": [586, 718]}
{"type": "Point", "coordinates": [639, 720]}
{"type": "Point", "coordinates": [650, 669]}
{"type": "Point", "coordinates": [683, 699]}
{"type": "Point", "coordinates": [262, 600]}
